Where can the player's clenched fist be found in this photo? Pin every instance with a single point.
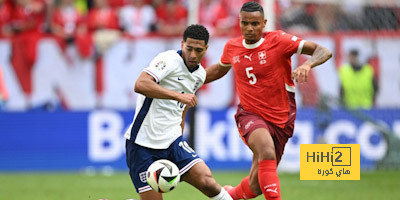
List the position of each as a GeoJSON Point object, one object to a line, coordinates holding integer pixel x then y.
{"type": "Point", "coordinates": [188, 99]}
{"type": "Point", "coordinates": [300, 74]}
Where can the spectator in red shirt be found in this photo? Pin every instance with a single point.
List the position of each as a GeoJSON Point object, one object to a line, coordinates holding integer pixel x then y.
{"type": "Point", "coordinates": [172, 18]}
{"type": "Point", "coordinates": [137, 18]}
{"type": "Point", "coordinates": [116, 4]}
{"type": "Point", "coordinates": [227, 22]}
{"type": "Point", "coordinates": [103, 24]}
{"type": "Point", "coordinates": [28, 16]}
{"type": "Point", "coordinates": [26, 23]}
{"type": "Point", "coordinates": [214, 15]}
{"type": "Point", "coordinates": [104, 28]}
{"type": "Point", "coordinates": [66, 22]}
{"type": "Point", "coordinates": [5, 17]}
{"type": "Point", "coordinates": [102, 16]}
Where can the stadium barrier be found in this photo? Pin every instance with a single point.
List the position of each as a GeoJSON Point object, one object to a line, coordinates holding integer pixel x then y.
{"type": "Point", "coordinates": [34, 141]}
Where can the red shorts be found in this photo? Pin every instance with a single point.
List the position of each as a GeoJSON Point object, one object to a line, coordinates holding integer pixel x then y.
{"type": "Point", "coordinates": [247, 122]}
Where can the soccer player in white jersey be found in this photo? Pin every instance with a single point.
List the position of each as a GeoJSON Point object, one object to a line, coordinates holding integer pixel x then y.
{"type": "Point", "coordinates": [166, 89]}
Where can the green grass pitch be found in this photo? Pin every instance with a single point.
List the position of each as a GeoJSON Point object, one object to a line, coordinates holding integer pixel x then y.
{"type": "Point", "coordinates": [74, 186]}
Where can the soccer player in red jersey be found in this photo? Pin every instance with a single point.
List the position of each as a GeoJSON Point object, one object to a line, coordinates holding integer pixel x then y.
{"type": "Point", "coordinates": [264, 82]}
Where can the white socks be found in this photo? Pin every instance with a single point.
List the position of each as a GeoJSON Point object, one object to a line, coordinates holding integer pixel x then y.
{"type": "Point", "coordinates": [223, 195]}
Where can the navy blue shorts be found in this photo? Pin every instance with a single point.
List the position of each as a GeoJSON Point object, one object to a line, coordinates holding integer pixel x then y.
{"type": "Point", "coordinates": [139, 158]}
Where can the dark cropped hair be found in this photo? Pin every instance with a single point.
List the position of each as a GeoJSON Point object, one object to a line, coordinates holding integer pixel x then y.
{"type": "Point", "coordinates": [196, 31]}
{"type": "Point", "coordinates": [252, 6]}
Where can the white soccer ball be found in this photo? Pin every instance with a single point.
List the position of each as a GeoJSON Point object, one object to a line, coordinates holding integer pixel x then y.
{"type": "Point", "coordinates": [163, 175]}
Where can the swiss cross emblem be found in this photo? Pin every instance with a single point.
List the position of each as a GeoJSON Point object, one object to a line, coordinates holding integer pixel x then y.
{"type": "Point", "coordinates": [236, 59]}
{"type": "Point", "coordinates": [262, 55]}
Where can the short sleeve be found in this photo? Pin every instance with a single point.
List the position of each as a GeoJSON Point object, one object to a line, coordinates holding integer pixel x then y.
{"type": "Point", "coordinates": [159, 68]}
{"type": "Point", "coordinates": [291, 44]}
{"type": "Point", "coordinates": [226, 56]}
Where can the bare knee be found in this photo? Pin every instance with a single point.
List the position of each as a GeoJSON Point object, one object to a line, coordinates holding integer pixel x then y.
{"type": "Point", "coordinates": [266, 153]}
{"type": "Point", "coordinates": [200, 177]}
{"type": "Point", "coordinates": [262, 144]}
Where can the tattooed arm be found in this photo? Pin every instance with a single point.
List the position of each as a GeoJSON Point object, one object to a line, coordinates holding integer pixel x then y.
{"type": "Point", "coordinates": [319, 55]}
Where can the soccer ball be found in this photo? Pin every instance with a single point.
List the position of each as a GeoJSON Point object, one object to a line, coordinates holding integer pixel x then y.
{"type": "Point", "coordinates": [163, 176]}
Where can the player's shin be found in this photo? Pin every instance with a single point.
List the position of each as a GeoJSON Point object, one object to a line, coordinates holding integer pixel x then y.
{"type": "Point", "coordinates": [269, 180]}
{"type": "Point", "coordinates": [223, 195]}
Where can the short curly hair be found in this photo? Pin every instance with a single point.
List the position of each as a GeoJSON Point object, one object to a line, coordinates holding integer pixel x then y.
{"type": "Point", "coordinates": [196, 31]}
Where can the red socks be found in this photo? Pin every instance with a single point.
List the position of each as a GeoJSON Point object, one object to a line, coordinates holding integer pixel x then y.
{"type": "Point", "coordinates": [242, 191]}
{"type": "Point", "coordinates": [269, 180]}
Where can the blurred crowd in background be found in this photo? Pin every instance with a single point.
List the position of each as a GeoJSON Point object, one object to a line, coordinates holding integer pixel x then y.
{"type": "Point", "coordinates": [99, 23]}
{"type": "Point", "coordinates": [346, 16]}
{"type": "Point", "coordinates": [67, 19]}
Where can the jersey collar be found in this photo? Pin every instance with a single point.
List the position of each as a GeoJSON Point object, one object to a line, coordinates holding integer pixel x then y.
{"type": "Point", "coordinates": [253, 46]}
{"type": "Point", "coordinates": [190, 70]}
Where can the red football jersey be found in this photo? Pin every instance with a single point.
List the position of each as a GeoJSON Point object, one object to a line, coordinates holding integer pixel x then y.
{"type": "Point", "coordinates": [263, 73]}
{"type": "Point", "coordinates": [68, 18]}
{"type": "Point", "coordinates": [5, 16]}
{"type": "Point", "coordinates": [102, 18]}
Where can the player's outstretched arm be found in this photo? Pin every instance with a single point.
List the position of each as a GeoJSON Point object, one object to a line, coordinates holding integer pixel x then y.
{"type": "Point", "coordinates": [319, 55]}
{"type": "Point", "coordinates": [215, 72]}
{"type": "Point", "coordinates": [147, 86]}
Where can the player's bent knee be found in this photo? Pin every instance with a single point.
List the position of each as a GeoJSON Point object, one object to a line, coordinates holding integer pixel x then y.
{"type": "Point", "coordinates": [268, 153]}
{"type": "Point", "coordinates": [209, 182]}
{"type": "Point", "coordinates": [263, 149]}
{"type": "Point", "coordinates": [209, 186]}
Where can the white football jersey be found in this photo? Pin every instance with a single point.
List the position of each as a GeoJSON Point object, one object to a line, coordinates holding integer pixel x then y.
{"type": "Point", "coordinates": [157, 122]}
